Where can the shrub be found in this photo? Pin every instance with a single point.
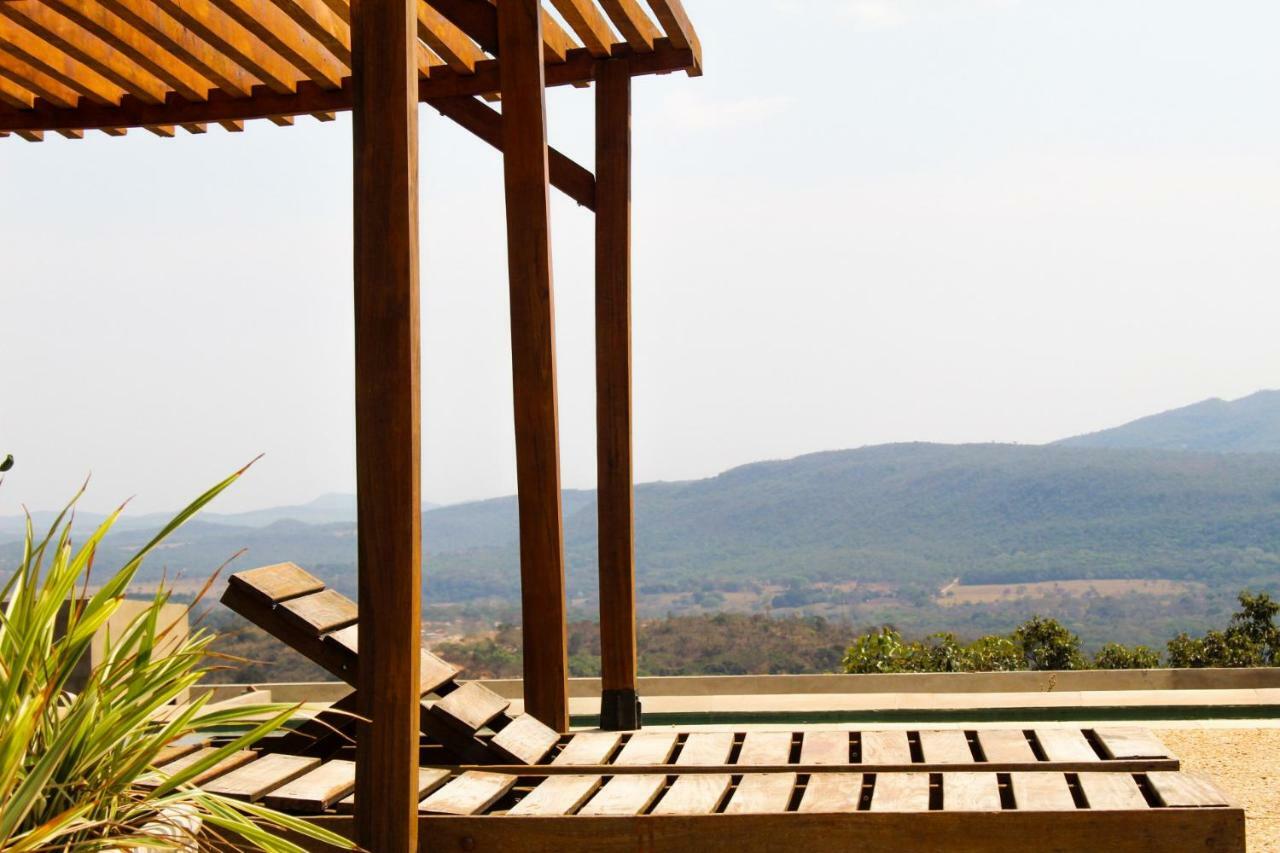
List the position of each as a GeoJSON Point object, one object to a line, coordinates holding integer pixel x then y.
{"type": "Point", "coordinates": [994, 654]}
{"type": "Point", "coordinates": [878, 651]}
{"type": "Point", "coordinates": [1045, 644]}
{"type": "Point", "coordinates": [1120, 656]}
{"type": "Point", "coordinates": [70, 763]}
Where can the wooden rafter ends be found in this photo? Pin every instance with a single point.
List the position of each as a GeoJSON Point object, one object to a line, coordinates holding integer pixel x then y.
{"type": "Point", "coordinates": [74, 65]}
{"type": "Point", "coordinates": [388, 458]}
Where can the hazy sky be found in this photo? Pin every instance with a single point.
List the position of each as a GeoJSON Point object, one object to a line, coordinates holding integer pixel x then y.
{"type": "Point", "coordinates": [871, 221]}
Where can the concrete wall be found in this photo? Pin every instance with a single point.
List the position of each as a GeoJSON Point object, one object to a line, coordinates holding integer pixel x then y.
{"type": "Point", "coordinates": [174, 615]}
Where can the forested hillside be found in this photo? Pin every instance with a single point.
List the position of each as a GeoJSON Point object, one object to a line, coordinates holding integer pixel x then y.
{"type": "Point", "coordinates": [1248, 425]}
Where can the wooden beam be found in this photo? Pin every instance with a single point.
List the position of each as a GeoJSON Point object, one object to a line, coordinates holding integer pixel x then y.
{"type": "Point", "coordinates": [616, 513]}
{"type": "Point", "coordinates": [388, 459]}
{"type": "Point", "coordinates": [93, 17]}
{"type": "Point", "coordinates": [585, 19]}
{"type": "Point", "coordinates": [479, 20]}
{"type": "Point", "coordinates": [83, 46]}
{"type": "Point", "coordinates": [633, 23]}
{"type": "Point", "coordinates": [34, 80]}
{"type": "Point", "coordinates": [294, 44]}
{"type": "Point", "coordinates": [580, 67]}
{"type": "Point", "coordinates": [26, 46]}
{"type": "Point", "coordinates": [328, 28]}
{"type": "Point", "coordinates": [233, 41]}
{"type": "Point", "coordinates": [486, 123]}
{"type": "Point", "coordinates": [449, 42]}
{"type": "Point", "coordinates": [524, 147]}
{"type": "Point", "coordinates": [674, 19]}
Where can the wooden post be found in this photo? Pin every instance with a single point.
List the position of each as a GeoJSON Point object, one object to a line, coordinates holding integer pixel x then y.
{"type": "Point", "coordinates": [620, 703]}
{"type": "Point", "coordinates": [524, 145]}
{"type": "Point", "coordinates": [385, 153]}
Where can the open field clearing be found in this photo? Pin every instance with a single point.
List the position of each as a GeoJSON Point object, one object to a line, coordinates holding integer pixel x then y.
{"type": "Point", "coordinates": [955, 593]}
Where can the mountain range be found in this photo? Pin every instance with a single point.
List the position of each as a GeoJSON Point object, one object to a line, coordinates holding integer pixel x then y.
{"type": "Point", "coordinates": [1189, 494]}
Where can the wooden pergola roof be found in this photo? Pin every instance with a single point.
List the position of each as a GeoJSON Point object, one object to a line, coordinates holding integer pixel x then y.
{"type": "Point", "coordinates": [109, 65]}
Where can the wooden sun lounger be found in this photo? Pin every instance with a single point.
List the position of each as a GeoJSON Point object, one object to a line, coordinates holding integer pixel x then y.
{"type": "Point", "coordinates": [961, 810]}
{"type": "Point", "coordinates": [295, 607]}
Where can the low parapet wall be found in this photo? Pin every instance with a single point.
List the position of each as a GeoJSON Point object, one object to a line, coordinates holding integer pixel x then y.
{"type": "Point", "coordinates": [901, 683]}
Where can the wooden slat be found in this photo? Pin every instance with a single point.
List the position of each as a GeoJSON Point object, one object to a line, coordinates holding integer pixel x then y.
{"type": "Point", "coordinates": [277, 583]}
{"type": "Point", "coordinates": [449, 43]}
{"type": "Point", "coordinates": [765, 749]}
{"type": "Point", "coordinates": [253, 781]}
{"type": "Point", "coordinates": [320, 612]}
{"type": "Point", "coordinates": [824, 748]}
{"type": "Point", "coordinates": [556, 40]}
{"type": "Point", "coordinates": [1006, 746]}
{"type": "Point", "coordinates": [970, 792]}
{"type": "Point", "coordinates": [625, 795]}
{"type": "Point", "coordinates": [1185, 790]}
{"type": "Point", "coordinates": [1065, 745]}
{"type": "Point", "coordinates": [39, 54]}
{"type": "Point", "coordinates": [588, 748]}
{"type": "Point", "coordinates": [525, 740]}
{"type": "Point", "coordinates": [945, 746]}
{"type": "Point", "coordinates": [705, 749]}
{"type": "Point", "coordinates": [557, 795]}
{"type": "Point", "coordinates": [388, 409]}
{"type": "Point", "coordinates": [72, 134]}
{"type": "Point", "coordinates": [900, 792]}
{"type": "Point", "coordinates": [833, 793]}
{"type": "Point", "coordinates": [294, 44]}
{"type": "Point", "coordinates": [429, 779]}
{"type": "Point", "coordinates": [34, 79]}
{"type": "Point", "coordinates": [470, 793]}
{"type": "Point", "coordinates": [1109, 791]}
{"type": "Point", "coordinates": [231, 39]}
{"type": "Point", "coordinates": [471, 706]}
{"type": "Point", "coordinates": [178, 40]}
{"type": "Point", "coordinates": [94, 17]}
{"type": "Point", "coordinates": [1130, 743]}
{"type": "Point", "coordinates": [195, 128]}
{"type": "Point", "coordinates": [524, 147]}
{"type": "Point", "coordinates": [673, 18]}
{"type": "Point", "coordinates": [15, 95]}
{"type": "Point", "coordinates": [1041, 792]}
{"type": "Point", "coordinates": [589, 25]}
{"type": "Point", "coordinates": [886, 747]}
{"type": "Point", "coordinates": [633, 23]}
{"type": "Point", "coordinates": [226, 765]}
{"type": "Point", "coordinates": [762, 793]}
{"type": "Point", "coordinates": [433, 672]}
{"type": "Point", "coordinates": [322, 24]}
{"type": "Point", "coordinates": [647, 748]}
{"type": "Point", "coordinates": [316, 791]}
{"type": "Point", "coordinates": [694, 793]}
{"type": "Point", "coordinates": [479, 20]}
{"type": "Point", "coordinates": [174, 751]}
{"type": "Point", "coordinates": [86, 48]}
{"type": "Point", "coordinates": [164, 131]}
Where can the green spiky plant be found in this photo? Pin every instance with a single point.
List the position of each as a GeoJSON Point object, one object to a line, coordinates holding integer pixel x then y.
{"type": "Point", "coordinates": [70, 763]}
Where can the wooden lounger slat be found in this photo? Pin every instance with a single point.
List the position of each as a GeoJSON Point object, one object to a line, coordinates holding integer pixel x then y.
{"type": "Point", "coordinates": [253, 781]}
{"type": "Point", "coordinates": [1006, 746]}
{"type": "Point", "coordinates": [705, 749]}
{"type": "Point", "coordinates": [832, 793]}
{"type": "Point", "coordinates": [174, 751]}
{"type": "Point", "coordinates": [970, 792]}
{"type": "Point", "coordinates": [320, 612]}
{"type": "Point", "coordinates": [226, 765]}
{"type": "Point", "coordinates": [433, 672]}
{"type": "Point", "coordinates": [1187, 790]}
{"type": "Point", "coordinates": [824, 748]}
{"type": "Point", "coordinates": [646, 748]}
{"type": "Point", "coordinates": [625, 795]}
{"type": "Point", "coordinates": [277, 583]}
{"type": "Point", "coordinates": [945, 746]}
{"type": "Point", "coordinates": [1043, 792]}
{"type": "Point", "coordinates": [429, 779]}
{"type": "Point", "coordinates": [765, 749]}
{"type": "Point", "coordinates": [1065, 745]}
{"type": "Point", "coordinates": [1126, 742]}
{"type": "Point", "coordinates": [696, 793]}
{"type": "Point", "coordinates": [525, 740]}
{"type": "Point", "coordinates": [762, 793]}
{"type": "Point", "coordinates": [1109, 791]}
{"type": "Point", "coordinates": [588, 748]}
{"type": "Point", "coordinates": [557, 795]}
{"type": "Point", "coordinates": [470, 793]}
{"type": "Point", "coordinates": [886, 747]}
{"type": "Point", "coordinates": [900, 792]}
{"type": "Point", "coordinates": [471, 706]}
{"type": "Point", "coordinates": [316, 790]}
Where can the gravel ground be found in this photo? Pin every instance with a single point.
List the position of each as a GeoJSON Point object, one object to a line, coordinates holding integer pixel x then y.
{"type": "Point", "coordinates": [1246, 765]}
